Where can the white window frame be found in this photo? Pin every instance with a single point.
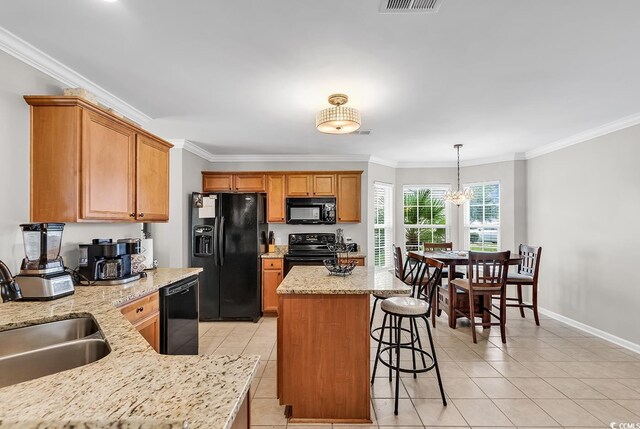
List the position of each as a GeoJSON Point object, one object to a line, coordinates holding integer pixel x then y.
{"type": "Point", "coordinates": [467, 215]}
{"type": "Point", "coordinates": [447, 213]}
{"type": "Point", "coordinates": [387, 226]}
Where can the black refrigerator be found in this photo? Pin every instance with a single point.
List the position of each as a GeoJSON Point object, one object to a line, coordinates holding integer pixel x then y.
{"type": "Point", "coordinates": [228, 233]}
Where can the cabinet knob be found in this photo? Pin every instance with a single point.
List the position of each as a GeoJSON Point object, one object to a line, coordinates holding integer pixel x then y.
{"type": "Point", "coordinates": [132, 215]}
{"type": "Point", "coordinates": [141, 215]}
{"type": "Point", "coordinates": [139, 309]}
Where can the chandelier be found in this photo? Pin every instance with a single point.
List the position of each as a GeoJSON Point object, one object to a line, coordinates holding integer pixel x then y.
{"type": "Point", "coordinates": [460, 196]}
{"type": "Point", "coordinates": [338, 119]}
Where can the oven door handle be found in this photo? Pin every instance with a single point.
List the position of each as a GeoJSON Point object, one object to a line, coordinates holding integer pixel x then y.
{"type": "Point", "coordinates": [306, 259]}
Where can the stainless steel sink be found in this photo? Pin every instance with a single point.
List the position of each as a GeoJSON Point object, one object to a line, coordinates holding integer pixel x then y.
{"type": "Point", "coordinates": [35, 337]}
{"type": "Point", "coordinates": [35, 351]}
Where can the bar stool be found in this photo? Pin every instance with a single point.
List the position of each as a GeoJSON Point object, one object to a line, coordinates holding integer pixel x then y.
{"type": "Point", "coordinates": [396, 309]}
{"type": "Point", "coordinates": [405, 272]}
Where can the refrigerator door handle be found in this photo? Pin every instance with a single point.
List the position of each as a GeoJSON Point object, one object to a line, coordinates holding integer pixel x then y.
{"type": "Point", "coordinates": [221, 242]}
{"type": "Point", "coordinates": [216, 235]}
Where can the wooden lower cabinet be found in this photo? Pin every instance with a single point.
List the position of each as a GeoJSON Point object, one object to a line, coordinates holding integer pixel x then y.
{"type": "Point", "coordinates": [272, 274]}
{"type": "Point", "coordinates": [144, 314]}
{"type": "Point", "coordinates": [323, 364]}
{"type": "Point", "coordinates": [150, 331]}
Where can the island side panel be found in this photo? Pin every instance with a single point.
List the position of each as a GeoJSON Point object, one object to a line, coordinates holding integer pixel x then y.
{"type": "Point", "coordinates": [324, 357]}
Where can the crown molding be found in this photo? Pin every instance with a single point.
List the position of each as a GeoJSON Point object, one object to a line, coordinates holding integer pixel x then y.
{"type": "Point", "coordinates": [291, 158]}
{"type": "Point", "coordinates": [584, 136]}
{"type": "Point", "coordinates": [380, 161]}
{"type": "Point", "coordinates": [518, 156]}
{"type": "Point", "coordinates": [29, 54]}
{"type": "Point", "coordinates": [193, 148]}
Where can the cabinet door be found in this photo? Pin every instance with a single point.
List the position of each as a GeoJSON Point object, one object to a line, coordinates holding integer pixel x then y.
{"type": "Point", "coordinates": [270, 281]}
{"type": "Point", "coordinates": [152, 180]}
{"type": "Point", "coordinates": [108, 169]}
{"type": "Point", "coordinates": [249, 182]}
{"type": "Point", "coordinates": [348, 200]}
{"type": "Point", "coordinates": [217, 183]}
{"type": "Point", "coordinates": [276, 211]}
{"type": "Point", "coordinates": [324, 185]}
{"type": "Point", "coordinates": [299, 185]}
{"type": "Point", "coordinates": [150, 330]}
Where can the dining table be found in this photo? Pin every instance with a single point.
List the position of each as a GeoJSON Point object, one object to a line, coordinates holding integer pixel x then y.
{"type": "Point", "coordinates": [453, 258]}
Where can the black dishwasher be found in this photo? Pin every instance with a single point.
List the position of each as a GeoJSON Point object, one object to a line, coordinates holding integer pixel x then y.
{"type": "Point", "coordinates": [179, 318]}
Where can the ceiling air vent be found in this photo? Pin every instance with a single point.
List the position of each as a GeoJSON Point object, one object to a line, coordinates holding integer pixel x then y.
{"type": "Point", "coordinates": [361, 132]}
{"type": "Point", "coordinates": [410, 6]}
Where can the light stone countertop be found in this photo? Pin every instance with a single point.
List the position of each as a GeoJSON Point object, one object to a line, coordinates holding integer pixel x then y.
{"type": "Point", "coordinates": [314, 280]}
{"type": "Point", "coordinates": [133, 386]}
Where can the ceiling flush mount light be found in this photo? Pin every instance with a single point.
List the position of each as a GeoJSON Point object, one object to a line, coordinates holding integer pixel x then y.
{"type": "Point", "coordinates": [460, 196]}
{"type": "Point", "coordinates": [338, 119]}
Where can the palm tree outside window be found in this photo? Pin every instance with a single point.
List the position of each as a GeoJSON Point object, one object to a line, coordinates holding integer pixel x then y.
{"type": "Point", "coordinates": [425, 215]}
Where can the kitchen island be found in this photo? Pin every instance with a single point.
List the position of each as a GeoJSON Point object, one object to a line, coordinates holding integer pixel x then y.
{"type": "Point", "coordinates": [323, 342]}
{"type": "Point", "coordinates": [132, 386]}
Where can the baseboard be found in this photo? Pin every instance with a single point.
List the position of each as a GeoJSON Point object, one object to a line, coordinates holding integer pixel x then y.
{"type": "Point", "coordinates": [591, 330]}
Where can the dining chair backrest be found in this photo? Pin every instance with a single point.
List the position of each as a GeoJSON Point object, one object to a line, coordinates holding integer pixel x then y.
{"type": "Point", "coordinates": [435, 247]}
{"type": "Point", "coordinates": [397, 262]}
{"type": "Point", "coordinates": [530, 260]}
{"type": "Point", "coordinates": [431, 276]}
{"type": "Point", "coordinates": [488, 270]}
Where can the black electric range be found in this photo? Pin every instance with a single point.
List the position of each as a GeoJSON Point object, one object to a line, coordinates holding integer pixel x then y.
{"type": "Point", "coordinates": [308, 249]}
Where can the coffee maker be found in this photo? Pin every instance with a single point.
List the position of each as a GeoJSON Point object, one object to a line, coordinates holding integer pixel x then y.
{"type": "Point", "coordinates": [42, 274]}
{"type": "Point", "coordinates": [104, 262]}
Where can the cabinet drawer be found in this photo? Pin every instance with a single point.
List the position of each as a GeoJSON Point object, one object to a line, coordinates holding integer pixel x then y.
{"type": "Point", "coordinates": [272, 264]}
{"type": "Point", "coordinates": [142, 308]}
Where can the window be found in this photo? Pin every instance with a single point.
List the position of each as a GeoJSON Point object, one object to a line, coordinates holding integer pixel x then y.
{"type": "Point", "coordinates": [482, 217]}
{"type": "Point", "coordinates": [425, 216]}
{"type": "Point", "coordinates": [383, 224]}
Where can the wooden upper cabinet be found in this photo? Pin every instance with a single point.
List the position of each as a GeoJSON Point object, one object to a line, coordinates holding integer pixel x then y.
{"type": "Point", "coordinates": [89, 165]}
{"type": "Point", "coordinates": [348, 200]}
{"type": "Point", "coordinates": [324, 185]}
{"type": "Point", "coordinates": [276, 196]}
{"type": "Point", "coordinates": [152, 180]}
{"type": "Point", "coordinates": [249, 183]}
{"type": "Point", "coordinates": [108, 169]}
{"type": "Point", "coordinates": [299, 185]}
{"type": "Point", "coordinates": [217, 183]}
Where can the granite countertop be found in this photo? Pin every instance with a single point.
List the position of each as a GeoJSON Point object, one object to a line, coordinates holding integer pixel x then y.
{"type": "Point", "coordinates": [364, 280]}
{"type": "Point", "coordinates": [133, 386]}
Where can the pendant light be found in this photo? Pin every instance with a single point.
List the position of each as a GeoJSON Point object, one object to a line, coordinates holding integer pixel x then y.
{"type": "Point", "coordinates": [338, 119]}
{"type": "Point", "coordinates": [460, 196]}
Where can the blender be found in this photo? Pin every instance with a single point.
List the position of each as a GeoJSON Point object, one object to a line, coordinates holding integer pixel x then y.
{"type": "Point", "coordinates": [42, 274]}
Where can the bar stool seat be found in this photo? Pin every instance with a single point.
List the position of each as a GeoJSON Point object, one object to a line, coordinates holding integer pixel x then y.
{"type": "Point", "coordinates": [405, 306]}
{"type": "Point", "coordinates": [387, 296]}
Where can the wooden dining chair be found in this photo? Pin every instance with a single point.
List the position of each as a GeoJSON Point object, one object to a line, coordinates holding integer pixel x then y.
{"type": "Point", "coordinates": [487, 278]}
{"type": "Point", "coordinates": [439, 247]}
{"type": "Point", "coordinates": [526, 275]}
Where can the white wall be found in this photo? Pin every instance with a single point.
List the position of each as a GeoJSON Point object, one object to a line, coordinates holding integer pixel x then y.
{"type": "Point", "coordinates": [16, 80]}
{"type": "Point", "coordinates": [357, 231]}
{"type": "Point", "coordinates": [582, 207]}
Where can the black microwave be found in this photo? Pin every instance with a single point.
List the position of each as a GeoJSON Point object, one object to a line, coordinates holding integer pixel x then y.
{"type": "Point", "coordinates": [306, 211]}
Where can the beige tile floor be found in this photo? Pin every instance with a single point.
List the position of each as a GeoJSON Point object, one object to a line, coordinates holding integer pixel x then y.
{"type": "Point", "coordinates": [548, 376]}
